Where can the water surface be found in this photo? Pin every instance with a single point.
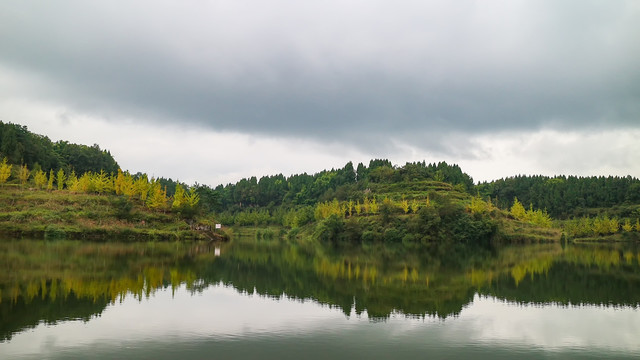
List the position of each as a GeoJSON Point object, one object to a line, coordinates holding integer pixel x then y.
{"type": "Point", "coordinates": [274, 299]}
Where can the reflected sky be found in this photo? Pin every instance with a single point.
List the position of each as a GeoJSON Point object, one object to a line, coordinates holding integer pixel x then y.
{"type": "Point", "coordinates": [233, 324]}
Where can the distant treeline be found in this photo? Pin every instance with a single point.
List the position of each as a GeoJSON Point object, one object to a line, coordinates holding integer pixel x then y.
{"type": "Point", "coordinates": [565, 197]}
{"type": "Point", "coordinates": [347, 183]}
{"type": "Point", "coordinates": [22, 147]}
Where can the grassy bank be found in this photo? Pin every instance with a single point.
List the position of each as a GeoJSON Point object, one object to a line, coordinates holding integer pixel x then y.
{"type": "Point", "coordinates": [64, 215]}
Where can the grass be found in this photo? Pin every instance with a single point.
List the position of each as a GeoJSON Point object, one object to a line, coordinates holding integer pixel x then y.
{"type": "Point", "coordinates": [63, 215]}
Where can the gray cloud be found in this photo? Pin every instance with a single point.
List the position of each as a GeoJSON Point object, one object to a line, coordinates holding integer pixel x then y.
{"type": "Point", "coordinates": [334, 70]}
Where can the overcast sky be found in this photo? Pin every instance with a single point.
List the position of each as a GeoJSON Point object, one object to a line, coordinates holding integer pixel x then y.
{"type": "Point", "coordinates": [213, 91]}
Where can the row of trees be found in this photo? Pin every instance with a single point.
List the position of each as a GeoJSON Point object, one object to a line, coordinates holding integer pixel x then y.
{"type": "Point", "coordinates": [341, 184]}
{"type": "Point", "coordinates": [562, 196]}
{"type": "Point", "coordinates": [149, 192]}
{"type": "Point", "coordinates": [598, 226]}
{"type": "Point", "coordinates": [20, 146]}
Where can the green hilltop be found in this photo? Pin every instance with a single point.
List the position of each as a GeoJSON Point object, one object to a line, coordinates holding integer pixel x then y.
{"type": "Point", "coordinates": [68, 190]}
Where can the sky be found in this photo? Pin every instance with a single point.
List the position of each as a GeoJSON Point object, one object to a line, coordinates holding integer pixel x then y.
{"type": "Point", "coordinates": [214, 91]}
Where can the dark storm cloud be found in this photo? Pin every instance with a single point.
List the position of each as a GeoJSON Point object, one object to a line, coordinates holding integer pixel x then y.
{"type": "Point", "coordinates": [335, 70]}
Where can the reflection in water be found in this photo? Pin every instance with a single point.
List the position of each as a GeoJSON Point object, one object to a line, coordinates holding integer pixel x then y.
{"type": "Point", "coordinates": [250, 290]}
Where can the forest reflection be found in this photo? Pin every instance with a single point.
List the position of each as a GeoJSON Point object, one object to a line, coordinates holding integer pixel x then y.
{"type": "Point", "coordinates": [47, 282]}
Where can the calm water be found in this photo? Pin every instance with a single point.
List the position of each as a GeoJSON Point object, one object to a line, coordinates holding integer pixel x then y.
{"type": "Point", "coordinates": [273, 299]}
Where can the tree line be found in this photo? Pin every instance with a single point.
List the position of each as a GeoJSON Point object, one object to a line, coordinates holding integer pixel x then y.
{"type": "Point", "coordinates": [343, 184]}
{"type": "Point", "coordinates": [22, 147]}
{"type": "Point", "coordinates": [566, 196]}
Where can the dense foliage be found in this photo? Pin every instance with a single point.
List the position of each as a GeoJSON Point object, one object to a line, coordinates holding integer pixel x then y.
{"type": "Point", "coordinates": [22, 147]}
{"type": "Point", "coordinates": [565, 197]}
{"type": "Point", "coordinates": [347, 183]}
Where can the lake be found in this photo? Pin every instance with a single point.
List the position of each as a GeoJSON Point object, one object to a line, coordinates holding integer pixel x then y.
{"type": "Point", "coordinates": [277, 299]}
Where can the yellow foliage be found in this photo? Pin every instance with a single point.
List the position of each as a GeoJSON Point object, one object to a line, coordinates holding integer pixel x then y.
{"type": "Point", "coordinates": [5, 171]}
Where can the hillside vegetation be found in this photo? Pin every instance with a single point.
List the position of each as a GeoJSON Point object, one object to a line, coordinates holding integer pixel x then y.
{"type": "Point", "coordinates": [416, 204]}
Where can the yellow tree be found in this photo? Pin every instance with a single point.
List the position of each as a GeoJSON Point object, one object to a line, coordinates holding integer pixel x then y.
{"type": "Point", "coordinates": [102, 182]}
{"type": "Point", "coordinates": [142, 187]}
{"type": "Point", "coordinates": [52, 175]}
{"type": "Point", "coordinates": [85, 183]}
{"type": "Point", "coordinates": [60, 178]}
{"type": "Point", "coordinates": [72, 182]}
{"type": "Point", "coordinates": [404, 204]}
{"type": "Point", "coordinates": [373, 206]}
{"type": "Point", "coordinates": [627, 226]}
{"type": "Point", "coordinates": [178, 197]}
{"type": "Point", "coordinates": [358, 207]}
{"type": "Point", "coordinates": [5, 171]}
{"type": "Point", "coordinates": [157, 199]}
{"type": "Point", "coordinates": [517, 210]}
{"type": "Point", "coordinates": [23, 174]}
{"type": "Point", "coordinates": [350, 207]}
{"type": "Point", "coordinates": [192, 198]}
{"type": "Point", "coordinates": [40, 179]}
{"type": "Point", "coordinates": [414, 206]}
{"type": "Point", "coordinates": [118, 183]}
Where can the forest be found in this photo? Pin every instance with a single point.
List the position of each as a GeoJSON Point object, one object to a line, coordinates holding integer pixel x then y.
{"type": "Point", "coordinates": [417, 202]}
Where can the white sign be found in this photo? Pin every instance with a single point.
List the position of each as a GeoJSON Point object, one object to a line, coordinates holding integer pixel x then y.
{"type": "Point", "coordinates": [218, 226]}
